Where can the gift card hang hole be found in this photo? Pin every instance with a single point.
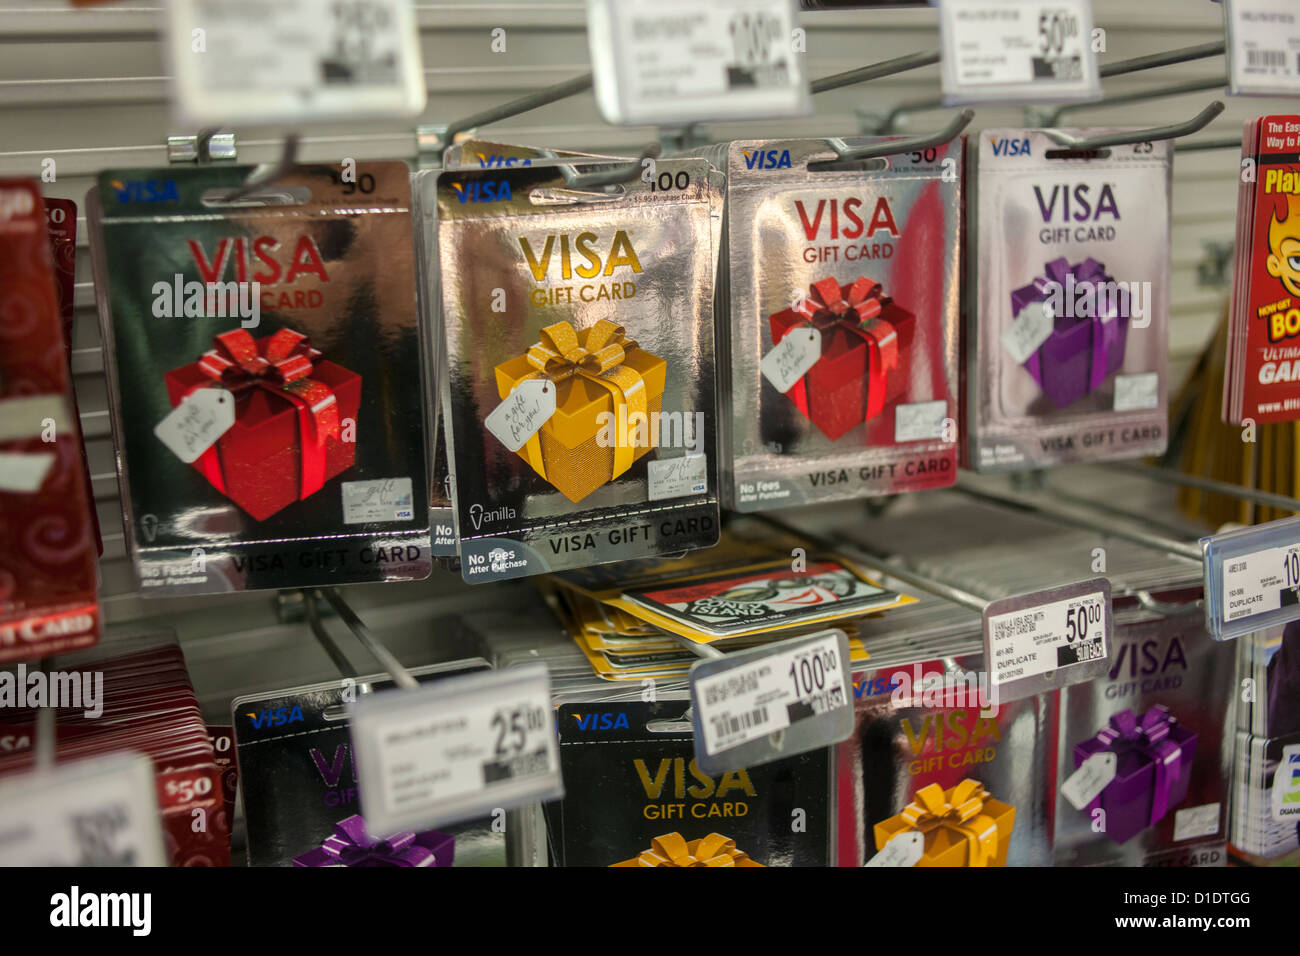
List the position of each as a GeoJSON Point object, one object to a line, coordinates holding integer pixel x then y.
{"type": "Point", "coordinates": [524, 411]}
{"type": "Point", "coordinates": [792, 357]}
{"type": "Point", "coordinates": [194, 426]}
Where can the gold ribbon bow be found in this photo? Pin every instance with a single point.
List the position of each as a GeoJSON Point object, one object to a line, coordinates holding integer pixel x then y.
{"type": "Point", "coordinates": [597, 357]}
{"type": "Point", "coordinates": [672, 850]}
{"type": "Point", "coordinates": [959, 810]}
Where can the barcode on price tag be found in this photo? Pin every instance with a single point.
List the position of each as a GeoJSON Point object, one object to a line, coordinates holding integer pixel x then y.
{"type": "Point", "coordinates": [797, 689]}
{"type": "Point", "coordinates": [99, 812]}
{"type": "Point", "coordinates": [1036, 642]}
{"type": "Point", "coordinates": [678, 61]}
{"type": "Point", "coordinates": [1036, 50]}
{"type": "Point", "coordinates": [294, 60]}
{"type": "Point", "coordinates": [455, 750]}
{"type": "Point", "coordinates": [1263, 47]}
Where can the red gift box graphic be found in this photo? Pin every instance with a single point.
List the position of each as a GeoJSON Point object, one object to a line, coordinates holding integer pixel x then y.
{"type": "Point", "coordinates": [865, 344]}
{"type": "Point", "coordinates": [290, 406]}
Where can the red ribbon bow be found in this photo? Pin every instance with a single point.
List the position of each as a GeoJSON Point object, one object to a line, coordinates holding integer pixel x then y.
{"type": "Point", "coordinates": [279, 364]}
{"type": "Point", "coordinates": [856, 308]}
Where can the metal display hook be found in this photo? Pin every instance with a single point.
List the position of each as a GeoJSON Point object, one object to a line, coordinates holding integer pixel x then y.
{"type": "Point", "coordinates": [950, 132]}
{"type": "Point", "coordinates": [875, 71]}
{"type": "Point", "coordinates": [266, 175]}
{"type": "Point", "coordinates": [435, 139]}
{"type": "Point", "coordinates": [400, 675]}
{"type": "Point", "coordinates": [1053, 119]}
{"type": "Point", "coordinates": [622, 173]}
{"type": "Point", "coordinates": [1129, 137]}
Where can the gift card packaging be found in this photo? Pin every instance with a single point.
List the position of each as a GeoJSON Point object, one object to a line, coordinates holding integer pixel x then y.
{"type": "Point", "coordinates": [299, 785]}
{"type": "Point", "coordinates": [635, 797]}
{"type": "Point", "coordinates": [839, 329]}
{"type": "Point", "coordinates": [1262, 380]}
{"type": "Point", "coordinates": [579, 388]}
{"type": "Point", "coordinates": [1067, 332]}
{"type": "Point", "coordinates": [48, 576]}
{"type": "Point", "coordinates": [931, 753]}
{"type": "Point", "coordinates": [264, 359]}
{"type": "Point", "coordinates": [1266, 763]}
{"type": "Point", "coordinates": [1162, 711]}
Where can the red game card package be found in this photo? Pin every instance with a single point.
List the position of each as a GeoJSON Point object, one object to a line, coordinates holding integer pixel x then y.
{"type": "Point", "coordinates": [1263, 361]}
{"type": "Point", "coordinates": [133, 694]}
{"type": "Point", "coordinates": [48, 575]}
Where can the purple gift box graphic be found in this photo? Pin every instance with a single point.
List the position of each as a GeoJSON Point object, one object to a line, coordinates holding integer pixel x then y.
{"type": "Point", "coordinates": [1154, 766]}
{"type": "Point", "coordinates": [1082, 351]}
{"type": "Point", "coordinates": [350, 845]}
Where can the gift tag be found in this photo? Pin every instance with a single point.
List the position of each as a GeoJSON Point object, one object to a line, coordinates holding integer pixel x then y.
{"type": "Point", "coordinates": [527, 408]}
{"type": "Point", "coordinates": [677, 61]}
{"type": "Point", "coordinates": [1092, 777]}
{"type": "Point", "coordinates": [1286, 784]}
{"type": "Point", "coordinates": [194, 426]}
{"type": "Point", "coordinates": [309, 60]}
{"type": "Point", "coordinates": [1263, 47]}
{"type": "Point", "coordinates": [792, 357]}
{"type": "Point", "coordinates": [1141, 390]}
{"type": "Point", "coordinates": [457, 749]}
{"type": "Point", "coordinates": [1048, 639]}
{"type": "Point", "coordinates": [1025, 50]}
{"type": "Point", "coordinates": [753, 707]}
{"type": "Point", "coordinates": [1023, 337]}
{"type": "Point", "coordinates": [906, 849]}
{"type": "Point", "coordinates": [24, 473]}
{"type": "Point", "coordinates": [1252, 578]}
{"type": "Point", "coordinates": [98, 812]}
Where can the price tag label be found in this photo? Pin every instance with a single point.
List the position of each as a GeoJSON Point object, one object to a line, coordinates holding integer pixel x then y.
{"type": "Point", "coordinates": [1252, 578]}
{"type": "Point", "coordinates": [680, 61]}
{"type": "Point", "coordinates": [1094, 774]}
{"type": "Point", "coordinates": [906, 849]}
{"type": "Point", "coordinates": [792, 357]}
{"type": "Point", "coordinates": [1263, 47]}
{"type": "Point", "coordinates": [98, 812]}
{"type": "Point", "coordinates": [1017, 50]}
{"type": "Point", "coordinates": [455, 750]}
{"type": "Point", "coordinates": [1049, 639]}
{"type": "Point", "coordinates": [753, 707]}
{"type": "Point", "coordinates": [294, 60]}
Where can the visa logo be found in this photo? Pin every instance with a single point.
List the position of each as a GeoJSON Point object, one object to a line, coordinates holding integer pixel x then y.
{"type": "Point", "coordinates": [496, 161]}
{"type": "Point", "coordinates": [870, 688]}
{"type": "Point", "coordinates": [484, 190]}
{"type": "Point", "coordinates": [275, 718]}
{"type": "Point", "coordinates": [766, 159]}
{"type": "Point", "coordinates": [146, 190]}
{"type": "Point", "coordinates": [601, 721]}
{"type": "Point", "coordinates": [1011, 147]}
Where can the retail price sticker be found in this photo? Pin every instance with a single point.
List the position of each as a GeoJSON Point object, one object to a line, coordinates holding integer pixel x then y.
{"type": "Point", "coordinates": [309, 60]}
{"type": "Point", "coordinates": [753, 707]}
{"type": "Point", "coordinates": [1263, 47]}
{"type": "Point", "coordinates": [459, 749]}
{"type": "Point", "coordinates": [1048, 639]}
{"type": "Point", "coordinates": [97, 812]}
{"type": "Point", "coordinates": [1025, 50]}
{"type": "Point", "coordinates": [680, 61]}
{"type": "Point", "coordinates": [1252, 578]}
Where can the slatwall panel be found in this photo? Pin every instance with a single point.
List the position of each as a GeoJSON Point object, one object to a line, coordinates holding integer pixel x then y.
{"type": "Point", "coordinates": [88, 89]}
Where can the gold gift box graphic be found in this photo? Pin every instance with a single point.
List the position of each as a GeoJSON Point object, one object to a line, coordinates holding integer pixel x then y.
{"type": "Point", "coordinates": [598, 372]}
{"type": "Point", "coordinates": [963, 826]}
{"type": "Point", "coordinates": [673, 850]}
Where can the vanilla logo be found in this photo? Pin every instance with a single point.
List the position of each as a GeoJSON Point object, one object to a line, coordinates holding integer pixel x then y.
{"type": "Point", "coordinates": [479, 515]}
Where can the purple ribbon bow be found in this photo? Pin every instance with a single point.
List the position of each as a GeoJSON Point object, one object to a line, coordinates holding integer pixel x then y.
{"type": "Point", "coordinates": [350, 845]}
{"type": "Point", "coordinates": [1150, 734]}
{"type": "Point", "coordinates": [1108, 311]}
